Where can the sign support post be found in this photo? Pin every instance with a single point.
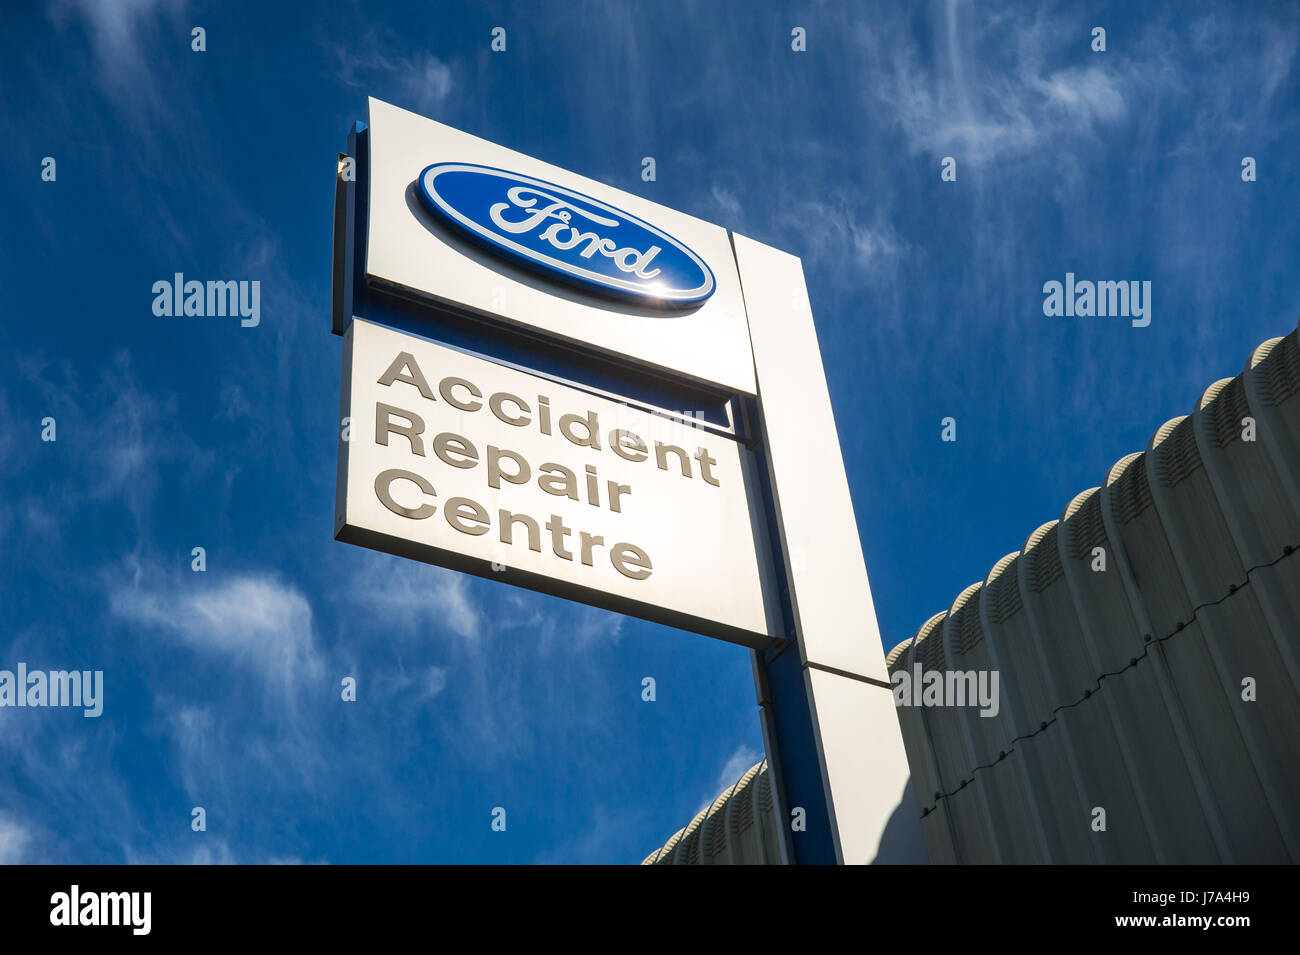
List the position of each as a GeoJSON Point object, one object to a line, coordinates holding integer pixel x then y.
{"type": "Point", "coordinates": [829, 722]}
{"type": "Point", "coordinates": [458, 451]}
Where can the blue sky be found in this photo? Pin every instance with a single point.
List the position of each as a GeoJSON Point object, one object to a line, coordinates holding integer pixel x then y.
{"type": "Point", "coordinates": [222, 687]}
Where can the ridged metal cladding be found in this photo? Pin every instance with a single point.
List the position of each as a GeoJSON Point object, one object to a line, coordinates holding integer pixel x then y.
{"type": "Point", "coordinates": [894, 656]}
{"type": "Point", "coordinates": [914, 650]}
{"type": "Point", "coordinates": [909, 651]}
{"type": "Point", "coordinates": [1001, 592]}
{"type": "Point", "coordinates": [1130, 495]}
{"type": "Point", "coordinates": [964, 619]}
{"type": "Point", "coordinates": [1200, 506]}
{"type": "Point", "coordinates": [1173, 449]}
{"type": "Point", "coordinates": [1226, 405]}
{"type": "Point", "coordinates": [1084, 527]}
{"type": "Point", "coordinates": [1281, 374]}
{"type": "Point", "coordinates": [930, 650]}
{"type": "Point", "coordinates": [738, 827]}
{"type": "Point", "coordinates": [1042, 560]}
{"type": "Point", "coordinates": [1200, 484]}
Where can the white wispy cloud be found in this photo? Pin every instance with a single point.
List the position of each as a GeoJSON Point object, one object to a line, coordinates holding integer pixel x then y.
{"type": "Point", "coordinates": [121, 34]}
{"type": "Point", "coordinates": [1084, 94]}
{"type": "Point", "coordinates": [14, 839]}
{"type": "Point", "coordinates": [256, 621]}
{"type": "Point", "coordinates": [47, 767]}
{"type": "Point", "coordinates": [115, 438]}
{"type": "Point", "coordinates": [834, 229]}
{"type": "Point", "coordinates": [420, 685]}
{"type": "Point", "coordinates": [562, 627]}
{"type": "Point", "coordinates": [728, 208]}
{"type": "Point", "coordinates": [737, 764]}
{"type": "Point", "coordinates": [601, 839]}
{"type": "Point", "coordinates": [992, 87]}
{"type": "Point", "coordinates": [116, 28]}
{"type": "Point", "coordinates": [212, 852]}
{"type": "Point", "coordinates": [415, 597]}
{"type": "Point", "coordinates": [201, 848]}
{"type": "Point", "coordinates": [420, 82]}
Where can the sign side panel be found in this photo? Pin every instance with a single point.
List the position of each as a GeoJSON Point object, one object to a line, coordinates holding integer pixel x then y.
{"type": "Point", "coordinates": [859, 745]}
{"type": "Point", "coordinates": [824, 555]}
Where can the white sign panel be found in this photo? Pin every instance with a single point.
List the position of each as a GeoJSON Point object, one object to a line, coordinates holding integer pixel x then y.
{"type": "Point", "coordinates": [465, 222]}
{"type": "Point", "coordinates": [459, 461]}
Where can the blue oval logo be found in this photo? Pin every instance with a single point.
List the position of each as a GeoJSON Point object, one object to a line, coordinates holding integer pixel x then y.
{"type": "Point", "coordinates": [564, 234]}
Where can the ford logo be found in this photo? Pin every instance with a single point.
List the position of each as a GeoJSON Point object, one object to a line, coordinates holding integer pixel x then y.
{"type": "Point", "coordinates": [564, 234]}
